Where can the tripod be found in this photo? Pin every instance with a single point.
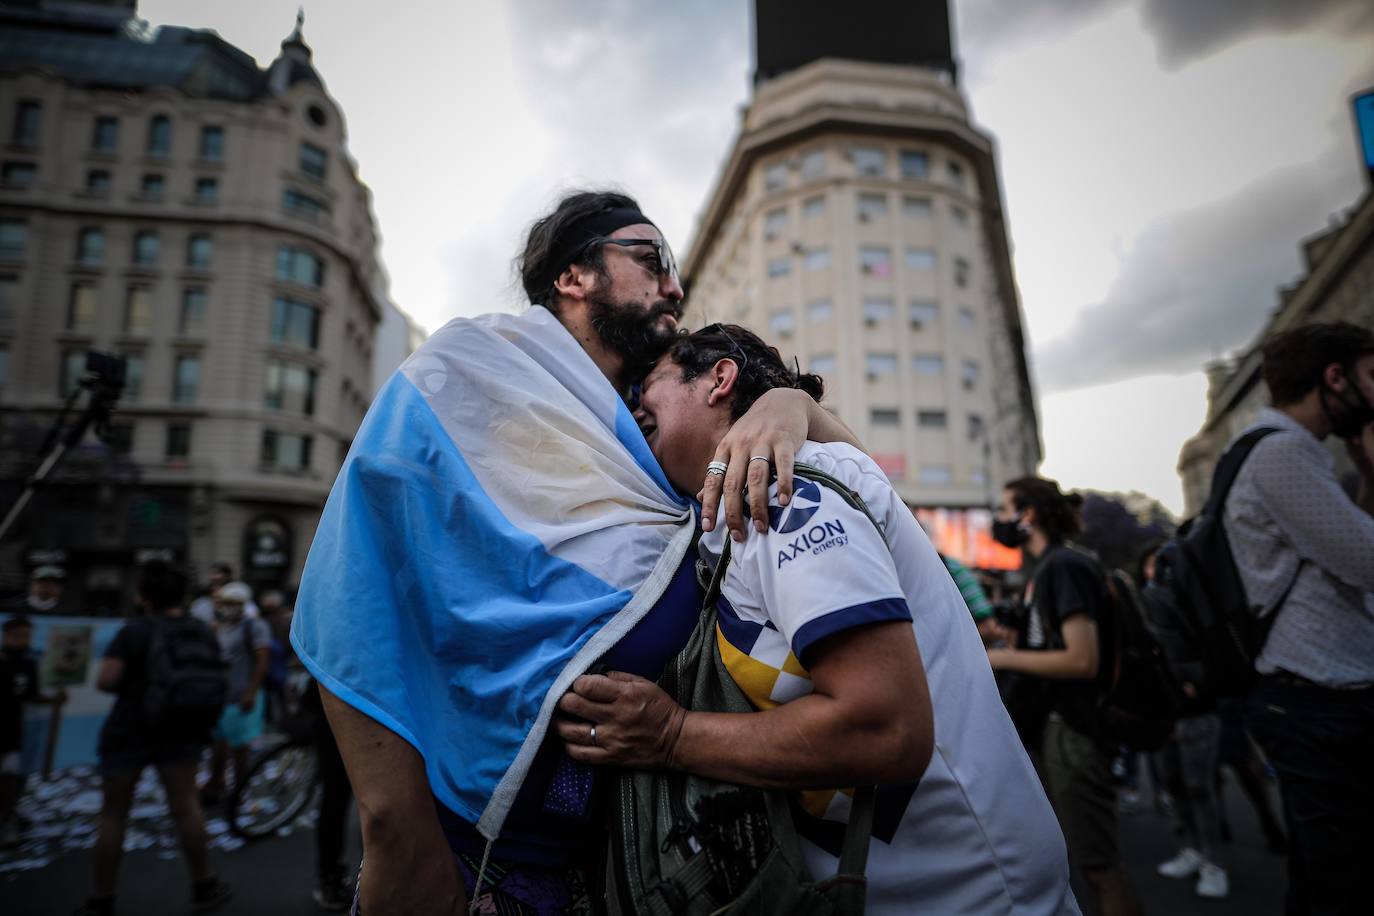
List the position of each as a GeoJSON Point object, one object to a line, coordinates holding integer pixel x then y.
{"type": "Point", "coordinates": [103, 380]}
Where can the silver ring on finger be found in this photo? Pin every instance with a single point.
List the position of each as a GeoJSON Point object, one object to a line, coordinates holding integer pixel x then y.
{"type": "Point", "coordinates": [768, 458]}
{"type": "Point", "coordinates": [593, 736]}
{"type": "Point", "coordinates": [717, 468]}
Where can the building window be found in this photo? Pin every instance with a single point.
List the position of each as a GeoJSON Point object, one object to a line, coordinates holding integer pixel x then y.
{"type": "Point", "coordinates": [193, 301]}
{"type": "Point", "coordinates": [782, 322]}
{"type": "Point", "coordinates": [875, 261]}
{"type": "Point", "coordinates": [932, 419]}
{"type": "Point", "coordinates": [916, 207]}
{"type": "Point", "coordinates": [299, 266]}
{"type": "Point", "coordinates": [877, 310]}
{"type": "Point", "coordinates": [966, 318]}
{"type": "Point", "coordinates": [880, 364]}
{"type": "Point", "coordinates": [73, 368]}
{"type": "Point", "coordinates": [199, 248]}
{"type": "Point", "coordinates": [290, 388]}
{"type": "Point", "coordinates": [959, 215]}
{"type": "Point", "coordinates": [81, 307]}
{"type": "Point", "coordinates": [915, 165]}
{"type": "Point", "coordinates": [774, 222]}
{"type": "Point", "coordinates": [817, 259]}
{"type": "Point", "coordinates": [133, 376]}
{"type": "Point", "coordinates": [159, 136]}
{"type": "Point", "coordinates": [9, 297]}
{"type": "Point", "coordinates": [872, 207]}
{"type": "Point", "coordinates": [145, 248]}
{"type": "Point", "coordinates": [813, 207]}
{"type": "Point", "coordinates": [18, 174]}
{"type": "Point", "coordinates": [185, 379]}
{"type": "Point", "coordinates": [813, 163]}
{"type": "Point", "coordinates": [314, 161]}
{"type": "Point", "coordinates": [154, 185]}
{"type": "Point", "coordinates": [98, 181]}
{"type": "Point", "coordinates": [923, 312]}
{"type": "Point", "coordinates": [869, 160]}
{"type": "Point", "coordinates": [212, 143]}
{"type": "Point", "coordinates": [920, 258]}
{"type": "Point", "coordinates": [28, 115]}
{"type": "Point", "coordinates": [178, 440]}
{"type": "Point", "coordinates": [105, 135]}
{"type": "Point", "coordinates": [975, 427]}
{"type": "Point", "coordinates": [961, 272]}
{"type": "Point", "coordinates": [303, 204]}
{"type": "Point", "coordinates": [955, 173]}
{"type": "Point", "coordinates": [934, 474]}
{"type": "Point", "coordinates": [207, 190]}
{"type": "Point", "coordinates": [779, 267]}
{"type": "Point", "coordinates": [138, 310]}
{"type": "Point", "coordinates": [285, 451]}
{"type": "Point", "coordinates": [823, 363]}
{"type": "Point", "coordinates": [775, 177]}
{"type": "Point", "coordinates": [820, 310]}
{"type": "Point", "coordinates": [14, 238]}
{"type": "Point", "coordinates": [90, 246]}
{"type": "Point", "coordinates": [970, 374]}
{"type": "Point", "coordinates": [885, 416]}
{"type": "Point", "coordinates": [295, 323]}
{"type": "Point", "coordinates": [928, 364]}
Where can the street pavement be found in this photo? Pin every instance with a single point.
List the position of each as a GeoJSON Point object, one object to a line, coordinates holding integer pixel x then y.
{"type": "Point", "coordinates": [275, 876]}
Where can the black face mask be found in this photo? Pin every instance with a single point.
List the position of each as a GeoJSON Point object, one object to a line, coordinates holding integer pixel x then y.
{"type": "Point", "coordinates": [1009, 533]}
{"type": "Point", "coordinates": [1356, 416]}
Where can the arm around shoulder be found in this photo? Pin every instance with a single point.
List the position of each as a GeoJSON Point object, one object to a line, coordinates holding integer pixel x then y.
{"type": "Point", "coordinates": [409, 868]}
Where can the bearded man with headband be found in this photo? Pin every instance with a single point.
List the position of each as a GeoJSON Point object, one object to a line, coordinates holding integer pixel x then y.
{"type": "Point", "coordinates": [500, 527]}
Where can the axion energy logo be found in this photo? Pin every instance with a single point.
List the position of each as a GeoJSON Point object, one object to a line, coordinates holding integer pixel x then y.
{"type": "Point", "coordinates": [806, 500]}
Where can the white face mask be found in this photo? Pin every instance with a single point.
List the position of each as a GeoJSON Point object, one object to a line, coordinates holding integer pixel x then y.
{"type": "Point", "coordinates": [42, 604]}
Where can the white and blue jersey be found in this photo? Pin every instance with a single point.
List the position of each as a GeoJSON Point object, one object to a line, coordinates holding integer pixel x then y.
{"type": "Point", "coordinates": [977, 834]}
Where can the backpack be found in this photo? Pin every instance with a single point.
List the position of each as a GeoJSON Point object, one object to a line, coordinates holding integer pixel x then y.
{"type": "Point", "coordinates": [685, 844]}
{"type": "Point", "coordinates": [1141, 695]}
{"type": "Point", "coordinates": [1197, 593]}
{"type": "Point", "coordinates": [188, 682]}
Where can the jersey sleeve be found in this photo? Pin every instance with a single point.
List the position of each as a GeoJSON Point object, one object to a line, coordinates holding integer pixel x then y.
{"type": "Point", "coordinates": [1072, 589]}
{"type": "Point", "coordinates": [823, 567]}
{"type": "Point", "coordinates": [121, 646]}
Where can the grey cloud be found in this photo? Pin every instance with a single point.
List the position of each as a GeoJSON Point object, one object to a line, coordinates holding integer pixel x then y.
{"type": "Point", "coordinates": [1200, 282]}
{"type": "Point", "coordinates": [1183, 30]}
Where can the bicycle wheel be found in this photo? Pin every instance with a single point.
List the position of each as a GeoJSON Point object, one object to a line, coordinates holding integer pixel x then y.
{"type": "Point", "coordinates": [279, 786]}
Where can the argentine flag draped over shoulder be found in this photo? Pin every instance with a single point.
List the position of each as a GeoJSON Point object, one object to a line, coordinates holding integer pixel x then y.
{"type": "Point", "coordinates": [498, 524]}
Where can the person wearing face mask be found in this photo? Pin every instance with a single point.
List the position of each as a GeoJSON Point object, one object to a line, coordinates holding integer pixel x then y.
{"type": "Point", "coordinates": [1305, 554]}
{"type": "Point", "coordinates": [246, 644]}
{"type": "Point", "coordinates": [44, 596]}
{"type": "Point", "coordinates": [1068, 619]}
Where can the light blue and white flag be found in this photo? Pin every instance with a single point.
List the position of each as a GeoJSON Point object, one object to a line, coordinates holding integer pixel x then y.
{"type": "Point", "coordinates": [498, 524]}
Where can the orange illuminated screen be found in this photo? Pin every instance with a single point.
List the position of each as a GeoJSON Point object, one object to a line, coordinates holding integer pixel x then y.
{"type": "Point", "coordinates": [966, 535]}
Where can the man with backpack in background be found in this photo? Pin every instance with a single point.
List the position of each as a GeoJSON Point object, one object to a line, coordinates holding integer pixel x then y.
{"type": "Point", "coordinates": [1304, 551]}
{"type": "Point", "coordinates": [246, 644]}
{"type": "Point", "coordinates": [166, 672]}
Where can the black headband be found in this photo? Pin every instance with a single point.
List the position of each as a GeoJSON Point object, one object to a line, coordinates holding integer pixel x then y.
{"type": "Point", "coordinates": [589, 228]}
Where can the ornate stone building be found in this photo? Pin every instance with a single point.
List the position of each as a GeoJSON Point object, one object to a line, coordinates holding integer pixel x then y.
{"type": "Point", "coordinates": [165, 199]}
{"type": "Point", "coordinates": [1338, 284]}
{"type": "Point", "coordinates": [858, 225]}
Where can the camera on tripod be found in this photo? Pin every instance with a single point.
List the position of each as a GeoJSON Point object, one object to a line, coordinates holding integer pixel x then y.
{"type": "Point", "coordinates": [104, 375]}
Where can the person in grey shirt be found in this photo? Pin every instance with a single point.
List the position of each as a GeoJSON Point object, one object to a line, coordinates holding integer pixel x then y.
{"type": "Point", "coordinates": [245, 642]}
{"type": "Point", "coordinates": [1305, 553]}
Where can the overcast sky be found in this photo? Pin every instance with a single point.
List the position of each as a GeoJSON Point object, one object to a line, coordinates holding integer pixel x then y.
{"type": "Point", "coordinates": [1161, 161]}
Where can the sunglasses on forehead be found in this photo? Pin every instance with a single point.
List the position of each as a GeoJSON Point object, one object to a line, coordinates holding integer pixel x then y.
{"type": "Point", "coordinates": [660, 262]}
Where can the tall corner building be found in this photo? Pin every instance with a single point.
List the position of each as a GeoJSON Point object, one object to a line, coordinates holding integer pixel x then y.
{"type": "Point", "coordinates": [166, 199]}
{"type": "Point", "coordinates": [857, 224]}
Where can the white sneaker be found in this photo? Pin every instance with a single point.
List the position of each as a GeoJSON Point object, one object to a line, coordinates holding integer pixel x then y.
{"type": "Point", "coordinates": [1183, 865]}
{"type": "Point", "coordinates": [1212, 882]}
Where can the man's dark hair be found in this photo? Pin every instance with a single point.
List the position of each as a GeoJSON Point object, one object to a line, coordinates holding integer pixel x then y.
{"type": "Point", "coordinates": [161, 585]}
{"type": "Point", "coordinates": [548, 235]}
{"type": "Point", "coordinates": [16, 623]}
{"type": "Point", "coordinates": [1296, 360]}
{"type": "Point", "coordinates": [761, 367]}
{"type": "Point", "coordinates": [1057, 513]}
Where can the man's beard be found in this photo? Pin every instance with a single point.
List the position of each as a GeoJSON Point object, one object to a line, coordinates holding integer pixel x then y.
{"type": "Point", "coordinates": [634, 332]}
